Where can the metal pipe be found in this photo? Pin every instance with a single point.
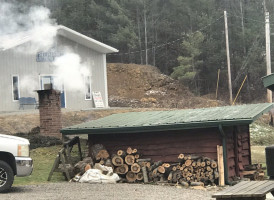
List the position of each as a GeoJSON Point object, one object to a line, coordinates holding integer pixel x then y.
{"type": "Point", "coordinates": [227, 182]}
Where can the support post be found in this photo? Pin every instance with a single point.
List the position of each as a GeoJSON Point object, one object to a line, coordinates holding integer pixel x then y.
{"type": "Point", "coordinates": [267, 50]}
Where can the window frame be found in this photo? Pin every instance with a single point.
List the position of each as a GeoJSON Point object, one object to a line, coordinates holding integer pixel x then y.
{"type": "Point", "coordinates": [18, 87]}
{"type": "Point", "coordinates": [89, 84]}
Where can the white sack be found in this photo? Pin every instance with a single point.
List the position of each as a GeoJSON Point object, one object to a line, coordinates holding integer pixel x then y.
{"type": "Point", "coordinates": [96, 176]}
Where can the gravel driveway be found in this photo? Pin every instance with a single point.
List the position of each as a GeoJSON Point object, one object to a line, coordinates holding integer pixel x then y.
{"type": "Point", "coordinates": [104, 191]}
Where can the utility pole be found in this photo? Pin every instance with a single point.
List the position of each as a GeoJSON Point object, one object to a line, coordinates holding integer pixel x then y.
{"type": "Point", "coordinates": [145, 21]}
{"type": "Point", "coordinates": [267, 50]}
{"type": "Point", "coordinates": [228, 59]}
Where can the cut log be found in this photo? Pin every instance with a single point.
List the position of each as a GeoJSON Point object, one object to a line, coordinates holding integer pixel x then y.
{"type": "Point", "coordinates": [117, 160]}
{"type": "Point", "coordinates": [181, 157]}
{"type": "Point", "coordinates": [197, 184]}
{"type": "Point", "coordinates": [123, 169]}
{"type": "Point", "coordinates": [166, 165]}
{"type": "Point", "coordinates": [137, 156]}
{"type": "Point", "coordinates": [183, 182]}
{"type": "Point", "coordinates": [155, 173]}
{"type": "Point", "coordinates": [131, 177]}
{"type": "Point", "coordinates": [143, 160]}
{"type": "Point", "coordinates": [195, 157]}
{"type": "Point", "coordinates": [102, 162]}
{"type": "Point", "coordinates": [129, 150]}
{"type": "Point", "coordinates": [155, 165]}
{"type": "Point", "coordinates": [170, 175]}
{"type": "Point", "coordinates": [140, 176]}
{"type": "Point", "coordinates": [121, 153]}
{"type": "Point", "coordinates": [135, 167]}
{"type": "Point", "coordinates": [87, 167]}
{"type": "Point", "coordinates": [188, 162]}
{"type": "Point", "coordinates": [98, 151]}
{"type": "Point", "coordinates": [108, 163]}
{"type": "Point", "coordinates": [174, 168]}
{"type": "Point", "coordinates": [208, 168]}
{"type": "Point", "coordinates": [144, 170]}
{"type": "Point", "coordinates": [134, 151]}
{"type": "Point", "coordinates": [161, 169]}
{"type": "Point", "coordinates": [214, 165]}
{"type": "Point", "coordinates": [176, 176]}
{"type": "Point", "coordinates": [130, 159]}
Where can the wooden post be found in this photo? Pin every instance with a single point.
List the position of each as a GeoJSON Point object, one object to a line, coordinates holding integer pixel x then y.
{"type": "Point", "coordinates": [220, 160]}
{"type": "Point", "coordinates": [268, 56]}
{"type": "Point", "coordinates": [228, 59]}
{"type": "Point", "coordinates": [217, 84]}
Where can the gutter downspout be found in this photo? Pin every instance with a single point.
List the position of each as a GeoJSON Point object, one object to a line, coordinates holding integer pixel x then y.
{"type": "Point", "coordinates": [227, 182]}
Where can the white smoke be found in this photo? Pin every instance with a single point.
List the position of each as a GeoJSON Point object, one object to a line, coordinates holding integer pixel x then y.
{"type": "Point", "coordinates": [18, 23]}
{"type": "Point", "coordinates": [29, 84]}
{"type": "Point", "coordinates": [32, 23]}
{"type": "Point", "coordinates": [71, 72]}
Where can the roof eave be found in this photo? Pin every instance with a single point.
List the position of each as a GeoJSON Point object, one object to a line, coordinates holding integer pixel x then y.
{"type": "Point", "coordinates": [85, 40]}
{"type": "Point", "coordinates": [166, 127]}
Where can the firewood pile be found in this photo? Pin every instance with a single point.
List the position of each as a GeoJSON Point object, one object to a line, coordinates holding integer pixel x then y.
{"type": "Point", "coordinates": [190, 170]}
{"type": "Point", "coordinates": [254, 172]}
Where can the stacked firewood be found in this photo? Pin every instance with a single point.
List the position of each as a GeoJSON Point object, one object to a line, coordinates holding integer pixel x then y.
{"type": "Point", "coordinates": [190, 170]}
{"type": "Point", "coordinates": [126, 166]}
{"type": "Point", "coordinates": [254, 172]}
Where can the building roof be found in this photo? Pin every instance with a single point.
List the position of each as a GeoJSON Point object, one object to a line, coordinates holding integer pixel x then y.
{"type": "Point", "coordinates": [11, 41]}
{"type": "Point", "coordinates": [133, 122]}
{"type": "Point", "coordinates": [269, 81]}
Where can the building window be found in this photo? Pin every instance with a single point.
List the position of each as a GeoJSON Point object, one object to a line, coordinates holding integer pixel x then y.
{"type": "Point", "coordinates": [87, 88]}
{"type": "Point", "coordinates": [15, 88]}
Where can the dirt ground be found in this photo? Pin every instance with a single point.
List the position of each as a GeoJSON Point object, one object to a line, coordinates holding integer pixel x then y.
{"type": "Point", "coordinates": [132, 85]}
{"type": "Point", "coordinates": [106, 191]}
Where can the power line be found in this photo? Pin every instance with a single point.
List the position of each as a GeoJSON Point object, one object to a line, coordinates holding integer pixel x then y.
{"type": "Point", "coordinates": [167, 43]}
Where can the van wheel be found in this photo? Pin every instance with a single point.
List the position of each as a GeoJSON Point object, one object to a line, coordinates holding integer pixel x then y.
{"type": "Point", "coordinates": [6, 176]}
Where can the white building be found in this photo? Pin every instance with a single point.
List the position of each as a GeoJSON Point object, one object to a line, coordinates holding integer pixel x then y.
{"type": "Point", "coordinates": [22, 72]}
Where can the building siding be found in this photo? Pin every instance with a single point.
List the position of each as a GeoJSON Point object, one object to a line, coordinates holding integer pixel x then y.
{"type": "Point", "coordinates": [14, 62]}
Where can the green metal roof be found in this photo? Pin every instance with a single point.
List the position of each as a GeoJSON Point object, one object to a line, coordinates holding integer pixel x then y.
{"type": "Point", "coordinates": [132, 122]}
{"type": "Point", "coordinates": [269, 81]}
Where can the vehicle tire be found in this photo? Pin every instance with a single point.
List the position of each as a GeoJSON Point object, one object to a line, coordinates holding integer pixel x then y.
{"type": "Point", "coordinates": [6, 176]}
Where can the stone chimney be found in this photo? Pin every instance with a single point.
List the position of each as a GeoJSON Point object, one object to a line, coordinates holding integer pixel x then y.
{"type": "Point", "coordinates": [50, 112]}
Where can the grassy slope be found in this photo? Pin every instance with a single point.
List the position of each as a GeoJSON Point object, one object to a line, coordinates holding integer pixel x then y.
{"type": "Point", "coordinates": [43, 159]}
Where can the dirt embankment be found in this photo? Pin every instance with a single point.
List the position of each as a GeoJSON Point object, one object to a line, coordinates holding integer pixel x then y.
{"type": "Point", "coordinates": [140, 86]}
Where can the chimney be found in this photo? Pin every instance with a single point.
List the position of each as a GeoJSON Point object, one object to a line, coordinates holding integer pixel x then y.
{"type": "Point", "coordinates": [50, 111]}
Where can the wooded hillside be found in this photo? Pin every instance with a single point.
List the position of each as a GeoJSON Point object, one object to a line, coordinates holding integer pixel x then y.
{"type": "Point", "coordinates": [184, 39]}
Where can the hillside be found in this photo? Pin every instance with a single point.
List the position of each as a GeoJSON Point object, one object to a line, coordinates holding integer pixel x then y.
{"type": "Point", "coordinates": [131, 85]}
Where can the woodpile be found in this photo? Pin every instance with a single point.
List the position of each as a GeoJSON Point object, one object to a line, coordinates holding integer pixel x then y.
{"type": "Point", "coordinates": [191, 170]}
{"type": "Point", "coordinates": [254, 172]}
{"type": "Point", "coordinates": [126, 165]}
